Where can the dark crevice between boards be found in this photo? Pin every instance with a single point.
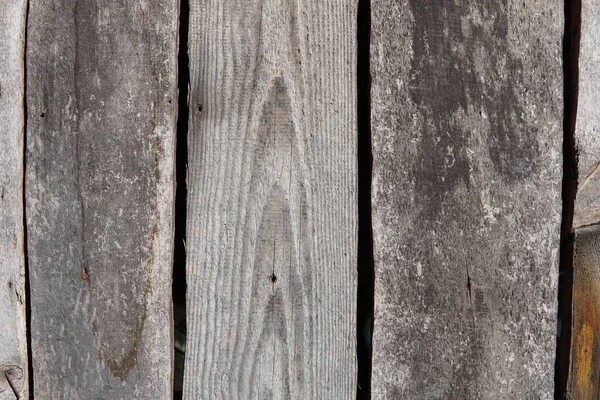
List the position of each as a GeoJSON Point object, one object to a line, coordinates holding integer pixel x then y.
{"type": "Point", "coordinates": [569, 188]}
{"type": "Point", "coordinates": [181, 157]}
{"type": "Point", "coordinates": [24, 222]}
{"type": "Point", "coordinates": [365, 290]}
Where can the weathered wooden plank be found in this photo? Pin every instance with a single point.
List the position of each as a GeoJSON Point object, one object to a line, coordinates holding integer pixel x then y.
{"type": "Point", "coordinates": [584, 369]}
{"type": "Point", "coordinates": [587, 203]}
{"type": "Point", "coordinates": [467, 135]}
{"type": "Point", "coordinates": [101, 100]}
{"type": "Point", "coordinates": [272, 215]}
{"type": "Point", "coordinates": [584, 373]}
{"type": "Point", "coordinates": [13, 339]}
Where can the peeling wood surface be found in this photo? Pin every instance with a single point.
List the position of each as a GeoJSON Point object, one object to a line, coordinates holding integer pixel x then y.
{"type": "Point", "coordinates": [102, 105]}
{"type": "Point", "coordinates": [584, 371]}
{"type": "Point", "coordinates": [272, 215]}
{"type": "Point", "coordinates": [13, 339]}
{"type": "Point", "coordinates": [467, 138]}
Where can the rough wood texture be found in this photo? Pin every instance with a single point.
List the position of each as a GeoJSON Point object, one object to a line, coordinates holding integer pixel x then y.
{"type": "Point", "coordinates": [585, 349]}
{"type": "Point", "coordinates": [272, 215]}
{"type": "Point", "coordinates": [587, 204]}
{"type": "Point", "coordinates": [13, 339]}
{"type": "Point", "coordinates": [584, 371]}
{"type": "Point", "coordinates": [101, 99]}
{"type": "Point", "coordinates": [467, 136]}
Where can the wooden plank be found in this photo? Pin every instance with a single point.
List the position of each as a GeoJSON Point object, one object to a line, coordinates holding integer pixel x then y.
{"type": "Point", "coordinates": [584, 369]}
{"type": "Point", "coordinates": [587, 203]}
{"type": "Point", "coordinates": [585, 349]}
{"type": "Point", "coordinates": [13, 339]}
{"type": "Point", "coordinates": [272, 214]}
{"type": "Point", "coordinates": [467, 136]}
{"type": "Point", "coordinates": [102, 106]}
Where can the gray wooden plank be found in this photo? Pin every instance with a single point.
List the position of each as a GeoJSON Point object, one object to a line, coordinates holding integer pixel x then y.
{"type": "Point", "coordinates": [272, 215]}
{"type": "Point", "coordinates": [587, 203]}
{"type": "Point", "coordinates": [467, 136]}
{"type": "Point", "coordinates": [101, 100]}
{"type": "Point", "coordinates": [13, 339]}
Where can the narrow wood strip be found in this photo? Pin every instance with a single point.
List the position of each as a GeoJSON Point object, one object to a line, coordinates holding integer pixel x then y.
{"type": "Point", "coordinates": [587, 204]}
{"type": "Point", "coordinates": [584, 371]}
{"type": "Point", "coordinates": [13, 339]}
{"type": "Point", "coordinates": [585, 337]}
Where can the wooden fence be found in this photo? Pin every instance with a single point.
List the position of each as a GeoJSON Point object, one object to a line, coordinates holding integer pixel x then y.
{"type": "Point", "coordinates": [394, 199]}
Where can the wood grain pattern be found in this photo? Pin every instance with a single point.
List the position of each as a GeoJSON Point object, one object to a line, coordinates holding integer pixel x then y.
{"type": "Point", "coordinates": [584, 371]}
{"type": "Point", "coordinates": [13, 339]}
{"type": "Point", "coordinates": [102, 105]}
{"type": "Point", "coordinates": [584, 375]}
{"type": "Point", "coordinates": [272, 215]}
{"type": "Point", "coordinates": [587, 204]}
{"type": "Point", "coordinates": [467, 136]}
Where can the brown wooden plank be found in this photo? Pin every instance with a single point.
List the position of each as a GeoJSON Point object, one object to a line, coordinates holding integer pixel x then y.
{"type": "Point", "coordinates": [272, 215]}
{"type": "Point", "coordinates": [13, 340]}
{"type": "Point", "coordinates": [467, 136]}
{"type": "Point", "coordinates": [101, 100]}
{"type": "Point", "coordinates": [584, 374]}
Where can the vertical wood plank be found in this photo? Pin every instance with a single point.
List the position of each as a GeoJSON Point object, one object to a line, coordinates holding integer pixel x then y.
{"type": "Point", "coordinates": [13, 339]}
{"type": "Point", "coordinates": [587, 199]}
{"type": "Point", "coordinates": [272, 215]}
{"type": "Point", "coordinates": [101, 99]}
{"type": "Point", "coordinates": [467, 136]}
{"type": "Point", "coordinates": [585, 350]}
{"type": "Point", "coordinates": [584, 370]}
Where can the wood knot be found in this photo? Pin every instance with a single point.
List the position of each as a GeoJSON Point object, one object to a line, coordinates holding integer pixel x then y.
{"type": "Point", "coordinates": [273, 278]}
